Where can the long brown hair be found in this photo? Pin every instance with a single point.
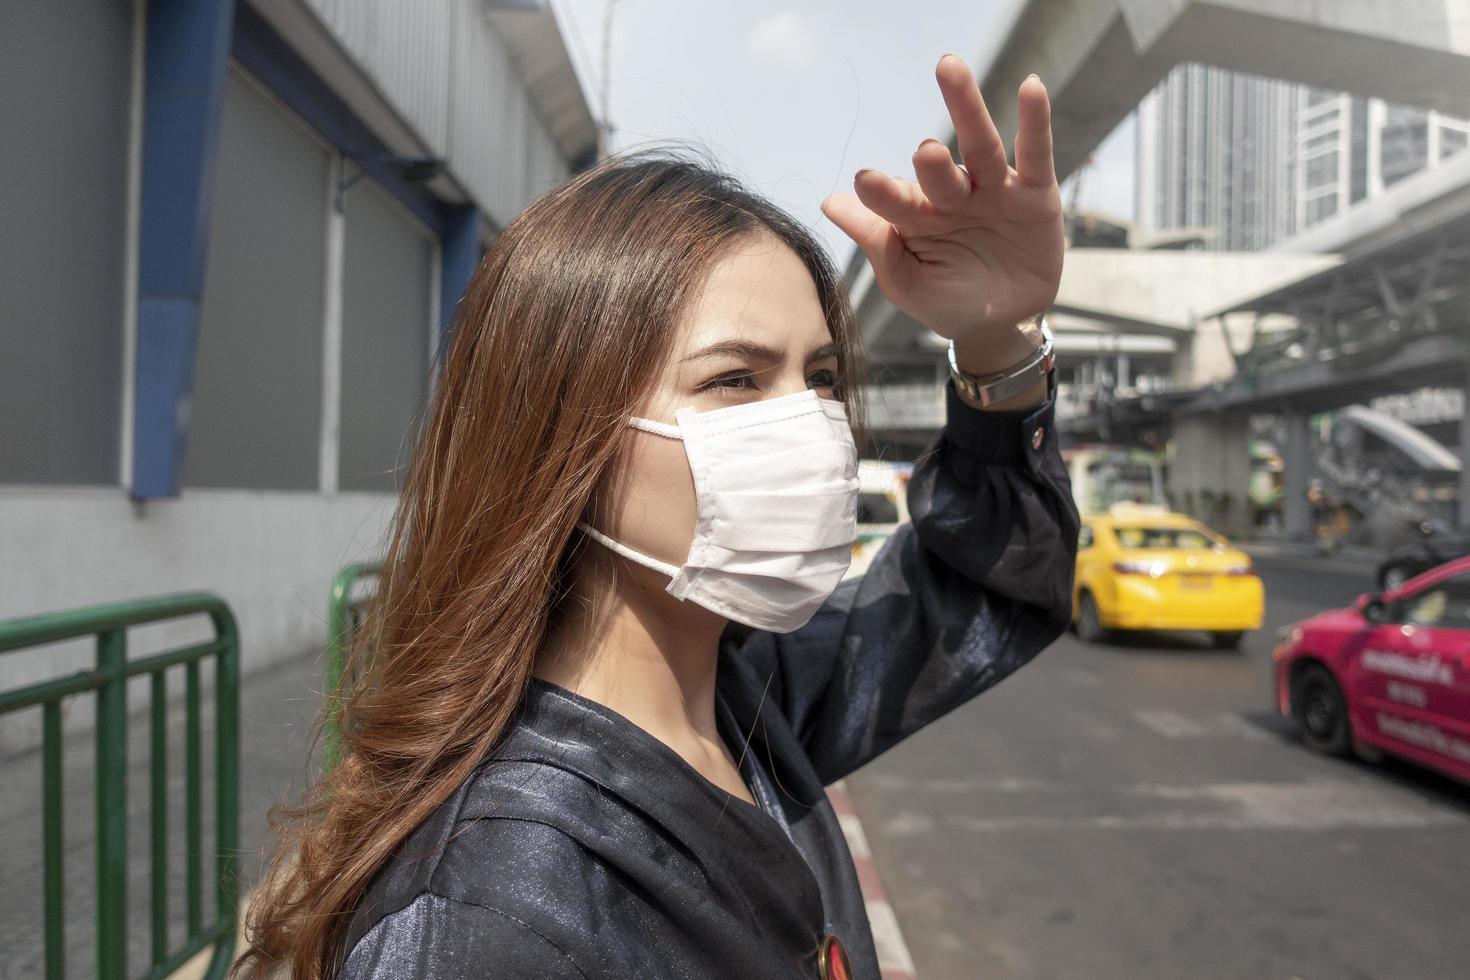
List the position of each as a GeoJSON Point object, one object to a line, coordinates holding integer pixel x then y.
{"type": "Point", "coordinates": [561, 334]}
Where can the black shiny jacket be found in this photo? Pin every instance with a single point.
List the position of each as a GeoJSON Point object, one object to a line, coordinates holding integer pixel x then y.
{"type": "Point", "coordinates": [586, 848]}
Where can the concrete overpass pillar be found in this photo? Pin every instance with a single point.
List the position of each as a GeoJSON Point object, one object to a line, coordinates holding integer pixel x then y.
{"type": "Point", "coordinates": [1462, 511]}
{"type": "Point", "coordinates": [1297, 463]}
{"type": "Point", "coordinates": [1210, 470]}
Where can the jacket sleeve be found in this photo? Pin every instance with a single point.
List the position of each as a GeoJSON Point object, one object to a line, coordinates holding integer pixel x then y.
{"type": "Point", "coordinates": [444, 939]}
{"type": "Point", "coordinates": [975, 585]}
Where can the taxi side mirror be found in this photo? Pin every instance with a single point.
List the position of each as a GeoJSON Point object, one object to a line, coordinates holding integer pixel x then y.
{"type": "Point", "coordinates": [1372, 606]}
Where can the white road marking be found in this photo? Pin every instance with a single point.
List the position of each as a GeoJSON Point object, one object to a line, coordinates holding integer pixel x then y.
{"type": "Point", "coordinates": [1247, 806]}
{"type": "Point", "coordinates": [909, 823]}
{"type": "Point", "coordinates": [893, 954]}
{"type": "Point", "coordinates": [977, 784]}
{"type": "Point", "coordinates": [1172, 724]}
{"type": "Point", "coordinates": [857, 841]}
{"type": "Point", "coordinates": [1096, 732]}
{"type": "Point", "coordinates": [1233, 724]}
{"type": "Point", "coordinates": [1081, 677]}
{"type": "Point", "coordinates": [1169, 724]}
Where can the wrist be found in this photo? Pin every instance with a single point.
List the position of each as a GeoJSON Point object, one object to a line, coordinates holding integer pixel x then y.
{"type": "Point", "coordinates": [990, 349]}
{"type": "Point", "coordinates": [1027, 356]}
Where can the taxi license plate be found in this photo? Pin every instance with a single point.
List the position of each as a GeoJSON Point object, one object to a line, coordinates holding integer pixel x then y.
{"type": "Point", "coordinates": [1195, 581]}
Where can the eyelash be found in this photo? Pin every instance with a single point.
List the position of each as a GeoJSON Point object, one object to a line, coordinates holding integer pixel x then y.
{"type": "Point", "coordinates": [717, 384]}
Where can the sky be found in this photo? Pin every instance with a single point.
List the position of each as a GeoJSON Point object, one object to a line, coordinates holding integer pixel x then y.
{"type": "Point", "coordinates": [796, 97]}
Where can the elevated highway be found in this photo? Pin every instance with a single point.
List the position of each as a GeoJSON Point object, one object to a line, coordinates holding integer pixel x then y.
{"type": "Point", "coordinates": [1371, 302]}
{"type": "Point", "coordinates": [1100, 57]}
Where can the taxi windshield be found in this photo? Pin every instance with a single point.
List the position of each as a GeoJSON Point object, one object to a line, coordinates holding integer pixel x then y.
{"type": "Point", "coordinates": [1176, 538]}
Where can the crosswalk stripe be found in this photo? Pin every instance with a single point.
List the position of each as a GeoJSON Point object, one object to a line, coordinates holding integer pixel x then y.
{"type": "Point", "coordinates": [1170, 724]}
{"type": "Point", "coordinates": [1316, 806]}
{"type": "Point", "coordinates": [1233, 724]}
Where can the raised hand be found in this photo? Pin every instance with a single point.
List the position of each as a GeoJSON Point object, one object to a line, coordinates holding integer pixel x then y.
{"type": "Point", "coordinates": [968, 250]}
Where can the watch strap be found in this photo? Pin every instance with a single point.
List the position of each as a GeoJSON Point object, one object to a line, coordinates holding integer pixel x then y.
{"type": "Point", "coordinates": [989, 389]}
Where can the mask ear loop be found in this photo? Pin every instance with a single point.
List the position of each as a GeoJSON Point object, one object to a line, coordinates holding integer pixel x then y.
{"type": "Point", "coordinates": [647, 561]}
{"type": "Point", "coordinates": [657, 428]}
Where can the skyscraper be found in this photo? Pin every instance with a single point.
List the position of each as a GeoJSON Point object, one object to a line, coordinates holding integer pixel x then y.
{"type": "Point", "coordinates": [1351, 148]}
{"type": "Point", "coordinates": [1251, 160]}
{"type": "Point", "coordinates": [1215, 151]}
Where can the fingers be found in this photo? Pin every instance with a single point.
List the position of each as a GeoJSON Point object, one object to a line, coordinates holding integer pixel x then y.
{"type": "Point", "coordinates": [981, 149]}
{"type": "Point", "coordinates": [945, 184]}
{"type": "Point", "coordinates": [890, 198]}
{"type": "Point", "coordinates": [875, 235]}
{"type": "Point", "coordinates": [1034, 163]}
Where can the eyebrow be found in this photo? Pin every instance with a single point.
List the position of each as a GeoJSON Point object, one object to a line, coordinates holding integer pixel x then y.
{"type": "Point", "coordinates": [756, 352]}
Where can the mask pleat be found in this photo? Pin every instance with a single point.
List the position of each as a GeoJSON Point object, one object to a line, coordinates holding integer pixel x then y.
{"type": "Point", "coordinates": [786, 565]}
{"type": "Point", "coordinates": [789, 521]}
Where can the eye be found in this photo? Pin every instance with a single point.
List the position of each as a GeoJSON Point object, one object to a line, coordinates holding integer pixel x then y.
{"type": "Point", "coordinates": [728, 384]}
{"type": "Point", "coordinates": [822, 379]}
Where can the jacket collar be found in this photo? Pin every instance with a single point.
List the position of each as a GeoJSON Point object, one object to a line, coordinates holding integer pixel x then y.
{"type": "Point", "coordinates": [741, 847]}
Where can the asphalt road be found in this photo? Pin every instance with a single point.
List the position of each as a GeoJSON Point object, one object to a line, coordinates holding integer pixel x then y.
{"type": "Point", "coordinates": [1138, 810]}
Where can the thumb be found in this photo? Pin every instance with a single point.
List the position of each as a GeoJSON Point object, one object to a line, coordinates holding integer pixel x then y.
{"type": "Point", "coordinates": [878, 239]}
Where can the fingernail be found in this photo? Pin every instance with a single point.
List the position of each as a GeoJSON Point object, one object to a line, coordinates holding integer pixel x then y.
{"type": "Point", "coordinates": [865, 170]}
{"type": "Point", "coordinates": [927, 139]}
{"type": "Point", "coordinates": [1033, 75]}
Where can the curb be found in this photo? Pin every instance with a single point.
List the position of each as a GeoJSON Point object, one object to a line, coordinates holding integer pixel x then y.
{"type": "Point", "coordinates": [1350, 559]}
{"type": "Point", "coordinates": [893, 954]}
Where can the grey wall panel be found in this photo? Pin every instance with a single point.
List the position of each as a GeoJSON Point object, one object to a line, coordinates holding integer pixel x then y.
{"type": "Point", "coordinates": [257, 387]}
{"type": "Point", "coordinates": [386, 293]}
{"type": "Point", "coordinates": [451, 77]}
{"type": "Point", "coordinates": [497, 141]}
{"type": "Point", "coordinates": [402, 45]}
{"type": "Point", "coordinates": [65, 75]}
{"type": "Point", "coordinates": [483, 138]}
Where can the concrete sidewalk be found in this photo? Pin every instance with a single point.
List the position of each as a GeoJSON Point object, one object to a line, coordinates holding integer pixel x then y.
{"type": "Point", "coordinates": [278, 709]}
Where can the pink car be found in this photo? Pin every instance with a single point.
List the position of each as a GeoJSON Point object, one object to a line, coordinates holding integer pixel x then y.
{"type": "Point", "coordinates": [1391, 674]}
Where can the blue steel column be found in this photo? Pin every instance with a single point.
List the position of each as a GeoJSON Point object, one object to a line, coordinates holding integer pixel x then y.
{"type": "Point", "coordinates": [459, 257]}
{"type": "Point", "coordinates": [184, 77]}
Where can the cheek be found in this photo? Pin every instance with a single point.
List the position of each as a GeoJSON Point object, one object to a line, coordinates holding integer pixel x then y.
{"type": "Point", "coordinates": [652, 505]}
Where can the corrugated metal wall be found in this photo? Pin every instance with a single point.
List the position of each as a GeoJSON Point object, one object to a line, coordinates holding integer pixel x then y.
{"type": "Point", "coordinates": [402, 45]}
{"type": "Point", "coordinates": [448, 74]}
{"type": "Point", "coordinates": [388, 262]}
{"type": "Point", "coordinates": [256, 408]}
{"type": "Point", "coordinates": [64, 76]}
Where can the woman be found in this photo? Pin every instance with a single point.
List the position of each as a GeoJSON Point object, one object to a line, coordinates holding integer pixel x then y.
{"type": "Point", "coordinates": [611, 667]}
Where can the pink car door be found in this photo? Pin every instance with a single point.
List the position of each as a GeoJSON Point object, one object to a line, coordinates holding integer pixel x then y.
{"type": "Point", "coordinates": [1411, 680]}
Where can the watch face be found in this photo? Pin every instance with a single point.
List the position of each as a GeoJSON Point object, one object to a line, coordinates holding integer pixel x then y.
{"type": "Point", "coordinates": [833, 959]}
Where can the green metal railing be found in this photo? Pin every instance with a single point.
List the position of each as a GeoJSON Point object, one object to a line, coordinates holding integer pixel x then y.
{"type": "Point", "coordinates": [108, 680]}
{"type": "Point", "coordinates": [344, 614]}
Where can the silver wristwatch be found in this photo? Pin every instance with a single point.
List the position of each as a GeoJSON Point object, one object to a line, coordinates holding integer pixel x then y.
{"type": "Point", "coordinates": [991, 388]}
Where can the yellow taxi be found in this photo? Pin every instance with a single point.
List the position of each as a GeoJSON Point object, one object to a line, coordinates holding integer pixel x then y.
{"type": "Point", "coordinates": [1142, 567]}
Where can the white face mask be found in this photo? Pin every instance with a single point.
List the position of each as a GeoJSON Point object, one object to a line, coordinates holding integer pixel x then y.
{"type": "Point", "coordinates": [776, 488]}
